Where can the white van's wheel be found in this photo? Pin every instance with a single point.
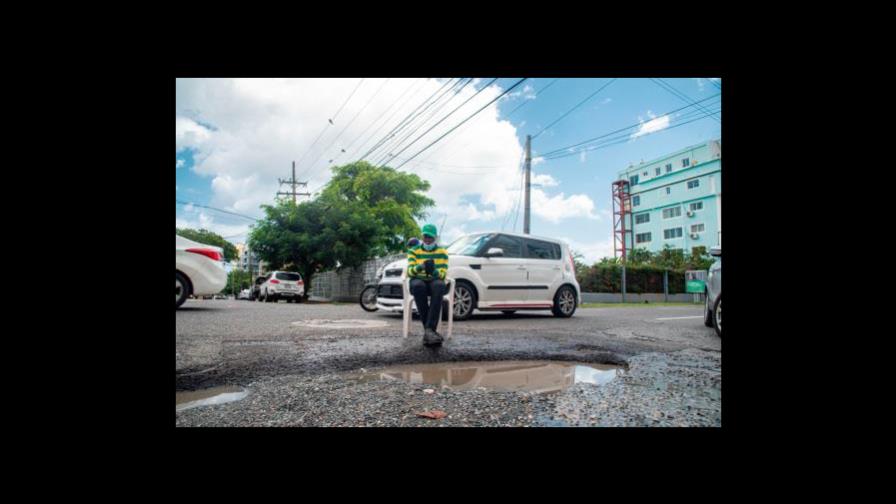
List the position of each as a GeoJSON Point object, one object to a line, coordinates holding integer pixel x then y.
{"type": "Point", "coordinates": [564, 302]}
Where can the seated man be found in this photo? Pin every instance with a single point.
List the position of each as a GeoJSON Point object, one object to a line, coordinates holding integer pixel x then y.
{"type": "Point", "coordinates": [427, 267]}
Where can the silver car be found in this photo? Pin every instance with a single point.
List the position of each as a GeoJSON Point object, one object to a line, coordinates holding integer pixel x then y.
{"type": "Point", "coordinates": [712, 311]}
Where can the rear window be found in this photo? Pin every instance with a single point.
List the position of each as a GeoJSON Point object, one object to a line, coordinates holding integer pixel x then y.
{"type": "Point", "coordinates": [291, 277]}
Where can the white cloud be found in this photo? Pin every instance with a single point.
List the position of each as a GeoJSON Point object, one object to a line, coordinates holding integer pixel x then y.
{"type": "Point", "coordinates": [537, 160]}
{"type": "Point", "coordinates": [606, 101]}
{"type": "Point", "coordinates": [179, 163]}
{"type": "Point", "coordinates": [257, 127]}
{"type": "Point", "coordinates": [582, 157]}
{"type": "Point", "coordinates": [234, 232]}
{"type": "Point", "coordinates": [592, 251]}
{"type": "Point", "coordinates": [188, 133]}
{"type": "Point", "coordinates": [699, 83]}
{"type": "Point", "coordinates": [556, 208]}
{"type": "Point", "coordinates": [653, 125]}
{"type": "Point", "coordinates": [543, 179]}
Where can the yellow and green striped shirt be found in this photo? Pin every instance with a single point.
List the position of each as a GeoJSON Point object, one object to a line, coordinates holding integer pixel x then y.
{"type": "Point", "coordinates": [417, 256]}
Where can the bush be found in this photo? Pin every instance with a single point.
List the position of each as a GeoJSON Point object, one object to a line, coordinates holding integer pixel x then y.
{"type": "Point", "coordinates": [639, 279]}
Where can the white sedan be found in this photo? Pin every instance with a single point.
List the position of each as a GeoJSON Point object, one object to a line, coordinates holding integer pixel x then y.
{"type": "Point", "coordinates": [199, 268]}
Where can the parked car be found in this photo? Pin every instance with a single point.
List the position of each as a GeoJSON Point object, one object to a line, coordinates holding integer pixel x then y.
{"type": "Point", "coordinates": [712, 310]}
{"type": "Point", "coordinates": [199, 270]}
{"type": "Point", "coordinates": [282, 285]}
{"type": "Point", "coordinates": [244, 294]}
{"type": "Point", "coordinates": [499, 272]}
{"type": "Point", "coordinates": [255, 290]}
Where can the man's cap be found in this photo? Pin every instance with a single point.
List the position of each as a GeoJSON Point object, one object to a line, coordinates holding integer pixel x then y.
{"type": "Point", "coordinates": [430, 230]}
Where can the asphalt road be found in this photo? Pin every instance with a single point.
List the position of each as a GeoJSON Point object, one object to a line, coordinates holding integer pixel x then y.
{"type": "Point", "coordinates": [294, 366]}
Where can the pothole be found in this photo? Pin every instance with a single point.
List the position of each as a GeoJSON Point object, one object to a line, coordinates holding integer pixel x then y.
{"type": "Point", "coordinates": [341, 323]}
{"type": "Point", "coordinates": [208, 397]}
{"type": "Point", "coordinates": [532, 376]}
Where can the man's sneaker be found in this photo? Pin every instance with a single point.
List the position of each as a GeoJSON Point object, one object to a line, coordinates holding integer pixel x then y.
{"type": "Point", "coordinates": [431, 338]}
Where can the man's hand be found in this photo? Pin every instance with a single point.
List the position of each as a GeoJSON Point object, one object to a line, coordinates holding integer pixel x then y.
{"type": "Point", "coordinates": [429, 266]}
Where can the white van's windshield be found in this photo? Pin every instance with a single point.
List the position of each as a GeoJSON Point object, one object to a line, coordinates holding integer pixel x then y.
{"type": "Point", "coordinates": [468, 244]}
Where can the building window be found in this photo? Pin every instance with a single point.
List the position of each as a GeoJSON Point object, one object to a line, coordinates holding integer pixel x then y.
{"type": "Point", "coordinates": [668, 190]}
{"type": "Point", "coordinates": [669, 213]}
{"type": "Point", "coordinates": [672, 233]}
{"type": "Point", "coordinates": [658, 170]}
{"type": "Point", "coordinates": [668, 167]}
{"type": "Point", "coordinates": [685, 162]}
{"type": "Point", "coordinates": [698, 228]}
{"type": "Point", "coordinates": [636, 200]}
{"type": "Point", "coordinates": [696, 206]}
{"type": "Point", "coordinates": [642, 218]}
{"type": "Point", "coordinates": [633, 180]}
{"type": "Point", "coordinates": [645, 174]}
{"type": "Point", "coordinates": [693, 183]}
{"type": "Point", "coordinates": [642, 237]}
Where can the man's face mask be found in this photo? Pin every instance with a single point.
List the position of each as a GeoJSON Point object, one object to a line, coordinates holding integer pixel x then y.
{"type": "Point", "coordinates": [429, 243]}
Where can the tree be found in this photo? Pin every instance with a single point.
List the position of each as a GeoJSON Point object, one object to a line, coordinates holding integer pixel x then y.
{"type": "Point", "coordinates": [237, 280]}
{"type": "Point", "coordinates": [393, 199]}
{"type": "Point", "coordinates": [209, 238]}
{"type": "Point", "coordinates": [363, 212]}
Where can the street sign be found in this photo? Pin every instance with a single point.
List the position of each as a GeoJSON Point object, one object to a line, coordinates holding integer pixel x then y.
{"type": "Point", "coordinates": [695, 286]}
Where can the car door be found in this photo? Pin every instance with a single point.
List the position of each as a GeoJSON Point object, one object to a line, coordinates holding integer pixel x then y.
{"type": "Point", "coordinates": [503, 278]}
{"type": "Point", "coordinates": [544, 268]}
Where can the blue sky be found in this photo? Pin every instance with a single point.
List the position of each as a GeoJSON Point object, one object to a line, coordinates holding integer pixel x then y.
{"type": "Point", "coordinates": [216, 149]}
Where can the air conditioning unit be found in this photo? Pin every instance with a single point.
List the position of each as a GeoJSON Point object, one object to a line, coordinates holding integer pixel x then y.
{"type": "Point", "coordinates": [694, 236]}
{"type": "Point", "coordinates": [690, 213]}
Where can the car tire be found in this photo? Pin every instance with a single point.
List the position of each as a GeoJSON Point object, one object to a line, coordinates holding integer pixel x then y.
{"type": "Point", "coordinates": [717, 316]}
{"type": "Point", "coordinates": [707, 311]}
{"type": "Point", "coordinates": [464, 300]}
{"type": "Point", "coordinates": [564, 302]}
{"type": "Point", "coordinates": [183, 286]}
{"type": "Point", "coordinates": [508, 313]}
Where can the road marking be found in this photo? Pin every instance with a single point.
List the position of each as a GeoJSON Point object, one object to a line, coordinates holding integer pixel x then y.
{"type": "Point", "coordinates": [679, 318]}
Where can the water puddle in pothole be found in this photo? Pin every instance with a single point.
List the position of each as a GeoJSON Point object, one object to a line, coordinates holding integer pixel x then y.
{"type": "Point", "coordinates": [532, 376]}
{"type": "Point", "coordinates": [208, 397]}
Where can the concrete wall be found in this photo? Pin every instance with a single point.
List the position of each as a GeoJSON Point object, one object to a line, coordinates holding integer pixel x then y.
{"type": "Point", "coordinates": [607, 297]}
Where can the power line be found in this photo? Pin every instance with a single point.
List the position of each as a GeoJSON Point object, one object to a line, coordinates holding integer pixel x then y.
{"type": "Point", "coordinates": [352, 121]}
{"type": "Point", "coordinates": [622, 129]}
{"type": "Point", "coordinates": [406, 131]}
{"type": "Point", "coordinates": [572, 109]}
{"type": "Point", "coordinates": [330, 123]}
{"type": "Point", "coordinates": [625, 138]}
{"type": "Point", "coordinates": [441, 147]}
{"type": "Point", "coordinates": [526, 102]}
{"type": "Point", "coordinates": [465, 120]}
{"type": "Point", "coordinates": [435, 111]}
{"type": "Point", "coordinates": [324, 151]}
{"type": "Point", "coordinates": [395, 129]}
{"type": "Point", "coordinates": [382, 116]}
{"type": "Point", "coordinates": [678, 94]}
{"type": "Point", "coordinates": [179, 202]}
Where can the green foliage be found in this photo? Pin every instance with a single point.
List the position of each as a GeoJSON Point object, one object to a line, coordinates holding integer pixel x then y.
{"type": "Point", "coordinates": [363, 212]}
{"type": "Point", "coordinates": [644, 271]}
{"type": "Point", "coordinates": [209, 238]}
{"type": "Point", "coordinates": [237, 280]}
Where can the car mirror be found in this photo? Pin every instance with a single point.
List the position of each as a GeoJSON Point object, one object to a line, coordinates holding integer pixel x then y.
{"type": "Point", "coordinates": [715, 251]}
{"type": "Point", "coordinates": [494, 252]}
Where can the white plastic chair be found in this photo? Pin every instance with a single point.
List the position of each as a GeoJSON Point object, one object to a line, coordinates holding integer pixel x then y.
{"type": "Point", "coordinates": [407, 299]}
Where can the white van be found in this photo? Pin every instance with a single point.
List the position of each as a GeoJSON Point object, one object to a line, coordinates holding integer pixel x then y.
{"type": "Point", "coordinates": [499, 272]}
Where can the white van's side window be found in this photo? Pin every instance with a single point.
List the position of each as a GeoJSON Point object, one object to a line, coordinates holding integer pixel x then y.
{"type": "Point", "coordinates": [537, 249]}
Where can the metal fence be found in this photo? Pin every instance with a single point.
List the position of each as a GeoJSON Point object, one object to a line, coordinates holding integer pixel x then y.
{"type": "Point", "coordinates": [346, 284]}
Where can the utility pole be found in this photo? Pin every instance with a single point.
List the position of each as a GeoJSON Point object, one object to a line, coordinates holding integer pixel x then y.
{"type": "Point", "coordinates": [528, 170]}
{"type": "Point", "coordinates": [293, 182]}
